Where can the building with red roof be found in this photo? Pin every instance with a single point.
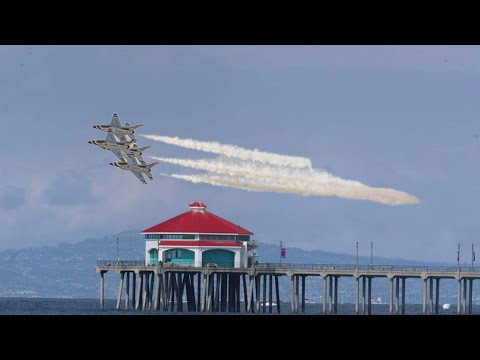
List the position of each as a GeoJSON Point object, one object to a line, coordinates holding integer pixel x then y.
{"type": "Point", "coordinates": [197, 238]}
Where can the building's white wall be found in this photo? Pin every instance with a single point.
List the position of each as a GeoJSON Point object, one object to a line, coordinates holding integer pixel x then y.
{"type": "Point", "coordinates": [150, 244]}
{"type": "Point", "coordinates": [238, 258]}
{"type": "Point", "coordinates": [198, 256]}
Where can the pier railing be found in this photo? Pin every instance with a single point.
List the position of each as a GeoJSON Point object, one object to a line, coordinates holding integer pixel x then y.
{"type": "Point", "coordinates": [406, 268]}
{"type": "Point", "coordinates": [124, 263]}
{"type": "Point", "coordinates": [295, 266]}
{"type": "Point", "coordinates": [120, 263]}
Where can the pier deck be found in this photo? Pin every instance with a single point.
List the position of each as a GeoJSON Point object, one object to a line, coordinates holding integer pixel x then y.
{"type": "Point", "coordinates": [219, 288]}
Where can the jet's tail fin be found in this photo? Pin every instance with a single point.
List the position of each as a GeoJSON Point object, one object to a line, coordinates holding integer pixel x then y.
{"type": "Point", "coordinates": [136, 150]}
{"type": "Point", "coordinates": [134, 127]}
{"type": "Point", "coordinates": [115, 121]}
{"type": "Point", "coordinates": [149, 166]}
{"type": "Point", "coordinates": [149, 174]}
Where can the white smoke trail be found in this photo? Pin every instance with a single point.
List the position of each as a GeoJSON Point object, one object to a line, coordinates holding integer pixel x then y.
{"type": "Point", "coordinates": [255, 170]}
{"type": "Point", "coordinates": [349, 190]}
{"type": "Point", "coordinates": [234, 167]}
{"type": "Point", "coordinates": [235, 151]}
{"type": "Point", "coordinates": [306, 182]}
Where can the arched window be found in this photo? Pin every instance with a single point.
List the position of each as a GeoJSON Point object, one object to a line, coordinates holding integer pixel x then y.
{"type": "Point", "coordinates": [153, 256]}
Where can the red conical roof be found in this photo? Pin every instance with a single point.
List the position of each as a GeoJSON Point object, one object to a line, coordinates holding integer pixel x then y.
{"type": "Point", "coordinates": [197, 220]}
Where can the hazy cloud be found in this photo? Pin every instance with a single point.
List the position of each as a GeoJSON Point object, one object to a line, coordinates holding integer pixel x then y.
{"type": "Point", "coordinates": [12, 197]}
{"type": "Point", "coordinates": [69, 189]}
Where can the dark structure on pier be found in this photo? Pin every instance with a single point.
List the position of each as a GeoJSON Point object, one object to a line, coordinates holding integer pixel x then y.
{"type": "Point", "coordinates": [173, 287]}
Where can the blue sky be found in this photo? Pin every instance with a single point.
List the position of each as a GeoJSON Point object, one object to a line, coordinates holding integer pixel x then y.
{"type": "Point", "coordinates": [389, 116]}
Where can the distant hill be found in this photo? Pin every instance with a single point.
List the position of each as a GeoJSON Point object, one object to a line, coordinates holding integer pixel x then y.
{"type": "Point", "coordinates": [68, 270]}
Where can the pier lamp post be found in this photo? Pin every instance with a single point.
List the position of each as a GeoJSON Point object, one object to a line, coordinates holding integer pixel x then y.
{"type": "Point", "coordinates": [281, 249]}
{"type": "Point", "coordinates": [371, 255]}
{"type": "Point", "coordinates": [458, 258]}
{"type": "Point", "coordinates": [118, 252]}
{"type": "Point", "coordinates": [356, 263]}
{"type": "Point", "coordinates": [473, 257]}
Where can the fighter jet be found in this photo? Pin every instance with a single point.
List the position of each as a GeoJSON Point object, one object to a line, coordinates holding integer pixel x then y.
{"type": "Point", "coordinates": [137, 169]}
{"type": "Point", "coordinates": [121, 141]}
{"type": "Point", "coordinates": [111, 144]}
{"type": "Point", "coordinates": [116, 127]}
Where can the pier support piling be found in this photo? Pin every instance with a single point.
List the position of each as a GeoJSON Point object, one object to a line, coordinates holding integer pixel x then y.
{"type": "Point", "coordinates": [470, 297]}
{"type": "Point", "coordinates": [157, 294]}
{"type": "Point", "coordinates": [324, 295]}
{"type": "Point", "coordinates": [459, 296]}
{"type": "Point", "coordinates": [297, 292]}
{"type": "Point", "coordinates": [292, 280]}
{"type": "Point", "coordinates": [270, 294]}
{"type": "Point", "coordinates": [424, 304]}
{"type": "Point", "coordinates": [120, 290]}
{"type": "Point", "coordinates": [145, 292]}
{"type": "Point", "coordinates": [250, 294]}
{"type": "Point", "coordinates": [217, 292]}
{"type": "Point", "coordinates": [139, 291]}
{"type": "Point", "coordinates": [127, 291]}
{"type": "Point", "coordinates": [369, 295]}
{"type": "Point", "coordinates": [357, 293]}
{"type": "Point", "coordinates": [303, 294]}
{"type": "Point", "coordinates": [277, 292]}
{"type": "Point", "coordinates": [245, 292]}
{"type": "Point", "coordinates": [431, 296]}
{"type": "Point", "coordinates": [330, 297]}
{"type": "Point", "coordinates": [204, 292]}
{"type": "Point", "coordinates": [391, 296]}
{"type": "Point", "coordinates": [264, 293]}
{"type": "Point", "coordinates": [102, 290]}
{"type": "Point", "coordinates": [152, 284]}
{"type": "Point", "coordinates": [134, 289]}
{"type": "Point", "coordinates": [223, 293]}
{"type": "Point", "coordinates": [237, 290]}
{"type": "Point", "coordinates": [257, 293]}
{"type": "Point", "coordinates": [335, 305]}
{"type": "Point", "coordinates": [397, 294]}
{"type": "Point", "coordinates": [364, 281]}
{"type": "Point", "coordinates": [199, 287]}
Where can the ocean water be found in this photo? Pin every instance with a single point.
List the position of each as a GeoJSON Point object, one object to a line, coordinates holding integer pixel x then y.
{"type": "Point", "coordinates": [36, 306]}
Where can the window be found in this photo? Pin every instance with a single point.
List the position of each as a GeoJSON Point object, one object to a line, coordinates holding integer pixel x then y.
{"type": "Point", "coordinates": [217, 237]}
{"type": "Point", "coordinates": [169, 236]}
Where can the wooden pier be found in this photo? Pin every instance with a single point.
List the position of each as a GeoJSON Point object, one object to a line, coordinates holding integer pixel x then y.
{"type": "Point", "coordinates": [169, 287]}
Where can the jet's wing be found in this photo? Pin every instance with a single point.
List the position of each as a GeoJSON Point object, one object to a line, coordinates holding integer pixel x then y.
{"type": "Point", "coordinates": [130, 137]}
{"type": "Point", "coordinates": [112, 138]}
{"type": "Point", "coordinates": [120, 154]}
{"type": "Point", "coordinates": [139, 158]}
{"type": "Point", "coordinates": [132, 159]}
{"type": "Point", "coordinates": [115, 121]}
{"type": "Point", "coordinates": [123, 137]}
{"type": "Point", "coordinates": [139, 176]}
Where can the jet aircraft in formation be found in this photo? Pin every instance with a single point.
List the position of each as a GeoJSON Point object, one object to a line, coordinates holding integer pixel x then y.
{"type": "Point", "coordinates": [121, 141]}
